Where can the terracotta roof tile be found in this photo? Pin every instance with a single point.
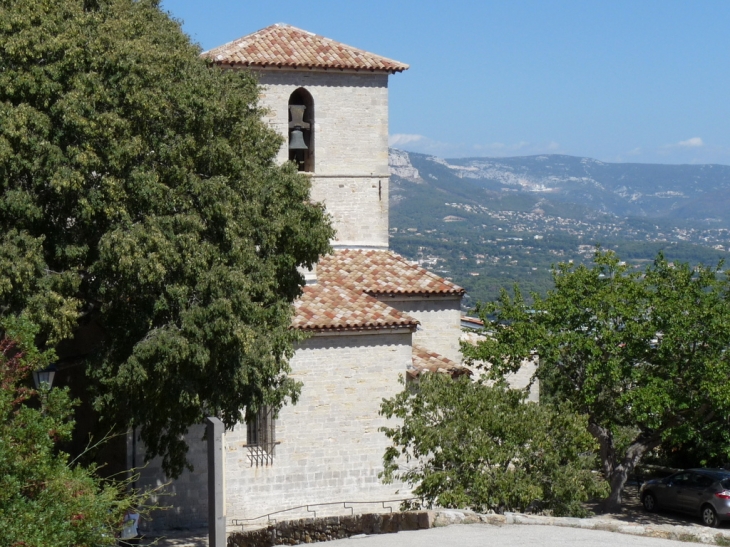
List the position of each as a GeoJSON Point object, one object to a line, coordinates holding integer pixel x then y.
{"type": "Point", "coordinates": [286, 46]}
{"type": "Point", "coordinates": [331, 308]}
{"type": "Point", "coordinates": [471, 322]}
{"type": "Point", "coordinates": [381, 273]}
{"type": "Point", "coordinates": [430, 361]}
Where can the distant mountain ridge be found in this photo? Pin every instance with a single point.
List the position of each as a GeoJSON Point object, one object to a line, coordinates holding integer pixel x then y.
{"type": "Point", "coordinates": [698, 193]}
{"type": "Point", "coordinates": [488, 223]}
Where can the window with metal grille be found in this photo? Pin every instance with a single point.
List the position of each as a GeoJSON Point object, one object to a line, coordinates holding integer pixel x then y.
{"type": "Point", "coordinates": [261, 437]}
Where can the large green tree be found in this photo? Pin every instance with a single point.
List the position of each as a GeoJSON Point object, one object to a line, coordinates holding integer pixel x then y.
{"type": "Point", "coordinates": [139, 195]}
{"type": "Point", "coordinates": [641, 351]}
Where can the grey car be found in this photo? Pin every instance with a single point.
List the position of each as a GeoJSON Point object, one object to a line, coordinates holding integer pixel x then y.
{"type": "Point", "coordinates": [701, 492]}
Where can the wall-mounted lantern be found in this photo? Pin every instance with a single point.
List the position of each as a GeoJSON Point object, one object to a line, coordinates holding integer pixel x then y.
{"type": "Point", "coordinates": [44, 376]}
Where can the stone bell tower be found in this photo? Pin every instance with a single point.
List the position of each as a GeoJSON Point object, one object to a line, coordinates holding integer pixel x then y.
{"type": "Point", "coordinates": [330, 102]}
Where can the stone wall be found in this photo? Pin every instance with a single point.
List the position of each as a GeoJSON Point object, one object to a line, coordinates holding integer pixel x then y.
{"type": "Point", "coordinates": [359, 209]}
{"type": "Point", "coordinates": [440, 318]}
{"type": "Point", "coordinates": [351, 171]}
{"type": "Point", "coordinates": [350, 116]}
{"type": "Point", "coordinates": [330, 447]}
{"type": "Point", "coordinates": [326, 529]}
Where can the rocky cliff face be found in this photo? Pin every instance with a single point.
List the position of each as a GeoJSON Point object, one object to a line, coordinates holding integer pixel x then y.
{"type": "Point", "coordinates": [400, 166]}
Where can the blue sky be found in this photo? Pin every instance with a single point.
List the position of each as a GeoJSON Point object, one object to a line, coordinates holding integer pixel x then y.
{"type": "Point", "coordinates": [635, 81]}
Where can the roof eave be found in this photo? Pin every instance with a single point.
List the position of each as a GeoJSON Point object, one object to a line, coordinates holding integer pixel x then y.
{"type": "Point", "coordinates": [310, 68]}
{"type": "Point", "coordinates": [354, 329]}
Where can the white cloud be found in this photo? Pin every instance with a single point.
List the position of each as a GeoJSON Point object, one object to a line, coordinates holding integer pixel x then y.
{"type": "Point", "coordinates": [694, 142]}
{"type": "Point", "coordinates": [400, 139]}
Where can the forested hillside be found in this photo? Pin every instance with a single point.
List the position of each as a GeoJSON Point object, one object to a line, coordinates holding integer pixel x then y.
{"type": "Point", "coordinates": [488, 223]}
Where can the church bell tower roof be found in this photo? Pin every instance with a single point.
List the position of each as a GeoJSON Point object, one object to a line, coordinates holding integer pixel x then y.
{"type": "Point", "coordinates": [284, 46]}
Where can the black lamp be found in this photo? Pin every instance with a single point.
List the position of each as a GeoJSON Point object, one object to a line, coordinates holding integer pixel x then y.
{"type": "Point", "coordinates": [44, 376]}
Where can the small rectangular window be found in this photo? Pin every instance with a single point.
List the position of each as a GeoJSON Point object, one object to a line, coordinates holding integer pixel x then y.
{"type": "Point", "coordinates": [261, 437]}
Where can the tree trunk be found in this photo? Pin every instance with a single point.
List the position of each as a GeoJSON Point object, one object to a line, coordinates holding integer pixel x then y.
{"type": "Point", "coordinates": [617, 480]}
{"type": "Point", "coordinates": [616, 472]}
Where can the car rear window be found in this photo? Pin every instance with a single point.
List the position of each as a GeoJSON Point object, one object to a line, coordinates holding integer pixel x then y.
{"type": "Point", "coordinates": [726, 484]}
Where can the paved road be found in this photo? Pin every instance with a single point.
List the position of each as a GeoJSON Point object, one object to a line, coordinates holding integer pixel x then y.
{"type": "Point", "coordinates": [482, 535]}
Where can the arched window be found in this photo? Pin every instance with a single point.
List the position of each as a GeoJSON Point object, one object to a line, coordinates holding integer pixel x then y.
{"type": "Point", "coordinates": [301, 129]}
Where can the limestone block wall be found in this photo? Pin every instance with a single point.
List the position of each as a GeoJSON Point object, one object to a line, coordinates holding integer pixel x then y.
{"type": "Point", "coordinates": [440, 318]}
{"type": "Point", "coordinates": [350, 115]}
{"type": "Point", "coordinates": [351, 171]}
{"type": "Point", "coordinates": [359, 209]}
{"type": "Point", "coordinates": [329, 447]}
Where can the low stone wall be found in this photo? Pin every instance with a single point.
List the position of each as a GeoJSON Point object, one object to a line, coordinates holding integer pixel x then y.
{"type": "Point", "coordinates": [295, 532]}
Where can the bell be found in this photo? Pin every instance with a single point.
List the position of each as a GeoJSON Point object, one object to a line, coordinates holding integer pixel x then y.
{"type": "Point", "coordinates": [296, 142]}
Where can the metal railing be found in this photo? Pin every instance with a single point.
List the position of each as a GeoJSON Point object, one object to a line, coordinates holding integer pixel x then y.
{"type": "Point", "coordinates": [308, 507]}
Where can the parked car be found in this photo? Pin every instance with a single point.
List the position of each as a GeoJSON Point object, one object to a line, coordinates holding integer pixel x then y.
{"type": "Point", "coordinates": [701, 492]}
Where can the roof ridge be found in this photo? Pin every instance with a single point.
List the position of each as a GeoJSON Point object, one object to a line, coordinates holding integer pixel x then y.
{"type": "Point", "coordinates": [242, 38]}
{"type": "Point", "coordinates": [422, 269]}
{"type": "Point", "coordinates": [382, 272]}
{"type": "Point", "coordinates": [285, 25]}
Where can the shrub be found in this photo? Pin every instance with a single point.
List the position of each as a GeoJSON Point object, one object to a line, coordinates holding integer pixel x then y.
{"type": "Point", "coordinates": [465, 444]}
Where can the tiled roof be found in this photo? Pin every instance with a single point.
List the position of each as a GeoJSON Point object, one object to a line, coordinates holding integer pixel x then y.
{"type": "Point", "coordinates": [429, 361]}
{"type": "Point", "coordinates": [282, 45]}
{"type": "Point", "coordinates": [381, 273]}
{"type": "Point", "coordinates": [471, 322]}
{"type": "Point", "coordinates": [331, 308]}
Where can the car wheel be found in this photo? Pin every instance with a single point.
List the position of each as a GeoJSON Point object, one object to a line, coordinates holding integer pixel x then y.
{"type": "Point", "coordinates": [649, 501]}
{"type": "Point", "coordinates": [709, 516]}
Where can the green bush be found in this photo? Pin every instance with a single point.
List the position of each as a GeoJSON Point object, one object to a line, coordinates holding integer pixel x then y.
{"type": "Point", "coordinates": [465, 444]}
{"type": "Point", "coordinates": [45, 500]}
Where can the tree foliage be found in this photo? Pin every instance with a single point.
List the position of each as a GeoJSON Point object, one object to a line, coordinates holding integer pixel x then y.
{"type": "Point", "coordinates": [45, 500]}
{"type": "Point", "coordinates": [139, 193]}
{"type": "Point", "coordinates": [465, 444]}
{"type": "Point", "coordinates": [633, 350]}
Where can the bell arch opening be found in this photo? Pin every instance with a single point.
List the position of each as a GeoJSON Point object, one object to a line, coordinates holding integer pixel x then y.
{"type": "Point", "coordinates": [301, 129]}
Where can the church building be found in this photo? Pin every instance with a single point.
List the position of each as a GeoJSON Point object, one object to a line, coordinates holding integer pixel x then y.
{"type": "Point", "coordinates": [373, 316]}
